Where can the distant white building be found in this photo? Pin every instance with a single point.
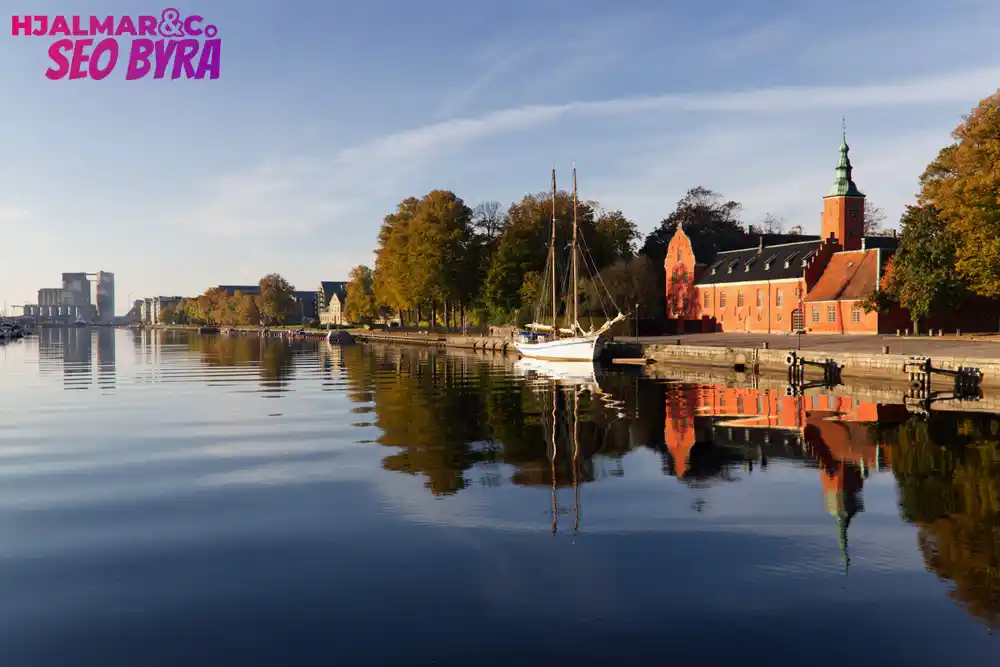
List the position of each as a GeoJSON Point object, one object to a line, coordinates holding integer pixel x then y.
{"type": "Point", "coordinates": [331, 299]}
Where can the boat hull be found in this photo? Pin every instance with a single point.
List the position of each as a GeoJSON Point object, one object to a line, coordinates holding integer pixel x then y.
{"type": "Point", "coordinates": [566, 349]}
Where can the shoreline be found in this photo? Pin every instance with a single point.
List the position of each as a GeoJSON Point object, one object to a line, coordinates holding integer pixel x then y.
{"type": "Point", "coordinates": [726, 354]}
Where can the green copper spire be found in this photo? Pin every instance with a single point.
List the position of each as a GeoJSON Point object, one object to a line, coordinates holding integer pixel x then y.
{"type": "Point", "coordinates": [843, 521]}
{"type": "Point", "coordinates": [844, 185]}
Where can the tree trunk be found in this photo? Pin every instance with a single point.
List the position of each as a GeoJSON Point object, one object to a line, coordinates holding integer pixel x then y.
{"type": "Point", "coordinates": [916, 326]}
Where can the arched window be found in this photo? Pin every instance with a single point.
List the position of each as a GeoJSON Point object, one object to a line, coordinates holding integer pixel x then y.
{"type": "Point", "coordinates": [739, 300]}
{"type": "Point", "coordinates": [760, 299]}
{"type": "Point", "coordinates": [777, 299]}
{"type": "Point", "coordinates": [678, 254]}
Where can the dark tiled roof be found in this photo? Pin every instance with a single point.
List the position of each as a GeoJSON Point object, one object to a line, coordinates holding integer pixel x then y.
{"type": "Point", "coordinates": [769, 264]}
{"type": "Point", "coordinates": [884, 242]}
{"type": "Point", "coordinates": [848, 275]}
{"type": "Point", "coordinates": [329, 288]}
{"type": "Point", "coordinates": [242, 289]}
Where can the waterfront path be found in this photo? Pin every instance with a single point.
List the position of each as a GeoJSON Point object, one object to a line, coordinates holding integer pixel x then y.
{"type": "Point", "coordinates": [945, 346]}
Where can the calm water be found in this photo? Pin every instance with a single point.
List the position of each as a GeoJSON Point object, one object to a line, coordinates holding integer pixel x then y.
{"type": "Point", "coordinates": [180, 500]}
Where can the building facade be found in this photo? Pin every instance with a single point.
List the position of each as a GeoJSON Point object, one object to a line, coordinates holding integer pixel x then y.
{"type": "Point", "coordinates": [331, 298]}
{"type": "Point", "coordinates": [105, 296]}
{"type": "Point", "coordinates": [813, 285]}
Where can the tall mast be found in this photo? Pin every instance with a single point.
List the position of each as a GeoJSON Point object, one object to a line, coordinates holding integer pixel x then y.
{"type": "Point", "coordinates": [552, 256]}
{"type": "Point", "coordinates": [576, 292]}
{"type": "Point", "coordinates": [552, 460]}
{"type": "Point", "coordinates": [576, 464]}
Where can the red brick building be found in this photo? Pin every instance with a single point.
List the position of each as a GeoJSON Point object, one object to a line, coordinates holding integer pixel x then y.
{"type": "Point", "coordinates": [814, 284]}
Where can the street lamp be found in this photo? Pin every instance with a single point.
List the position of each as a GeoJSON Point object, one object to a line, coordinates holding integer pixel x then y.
{"type": "Point", "coordinates": [636, 320]}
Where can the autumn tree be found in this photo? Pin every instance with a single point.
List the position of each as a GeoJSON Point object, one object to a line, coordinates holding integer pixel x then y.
{"type": "Point", "coordinates": [168, 314]}
{"type": "Point", "coordinates": [948, 473]}
{"type": "Point", "coordinates": [276, 300]}
{"type": "Point", "coordinates": [921, 275]}
{"type": "Point", "coordinates": [360, 304]}
{"type": "Point", "coordinates": [963, 184]}
{"type": "Point", "coordinates": [390, 279]}
{"type": "Point", "coordinates": [247, 310]}
{"type": "Point", "coordinates": [427, 257]}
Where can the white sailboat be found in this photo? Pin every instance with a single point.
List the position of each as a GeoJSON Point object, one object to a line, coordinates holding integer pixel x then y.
{"type": "Point", "coordinates": [549, 341]}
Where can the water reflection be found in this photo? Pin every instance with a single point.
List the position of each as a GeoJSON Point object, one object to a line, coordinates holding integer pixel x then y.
{"type": "Point", "coordinates": [106, 353]}
{"type": "Point", "coordinates": [274, 357]}
{"type": "Point", "coordinates": [692, 506]}
{"type": "Point", "coordinates": [457, 423]}
{"type": "Point", "coordinates": [69, 349]}
{"type": "Point", "coordinates": [948, 471]}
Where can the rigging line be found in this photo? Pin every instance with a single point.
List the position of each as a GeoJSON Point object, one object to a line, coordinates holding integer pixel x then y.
{"type": "Point", "coordinates": [600, 298]}
{"type": "Point", "coordinates": [599, 277]}
{"type": "Point", "coordinates": [596, 272]}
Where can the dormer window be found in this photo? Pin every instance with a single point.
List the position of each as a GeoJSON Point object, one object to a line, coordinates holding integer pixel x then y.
{"type": "Point", "coordinates": [715, 267]}
{"type": "Point", "coordinates": [749, 263]}
{"type": "Point", "coordinates": [769, 261]}
{"type": "Point", "coordinates": [790, 259]}
{"type": "Point", "coordinates": [808, 256]}
{"type": "Point", "coordinates": [732, 265]}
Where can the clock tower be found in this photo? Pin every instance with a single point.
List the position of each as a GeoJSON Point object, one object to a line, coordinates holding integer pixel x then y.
{"type": "Point", "coordinates": [844, 206]}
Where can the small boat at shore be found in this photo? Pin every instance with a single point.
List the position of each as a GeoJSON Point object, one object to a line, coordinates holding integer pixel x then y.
{"type": "Point", "coordinates": [571, 343]}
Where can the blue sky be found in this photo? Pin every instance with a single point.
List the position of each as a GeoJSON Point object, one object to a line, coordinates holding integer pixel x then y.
{"type": "Point", "coordinates": [329, 113]}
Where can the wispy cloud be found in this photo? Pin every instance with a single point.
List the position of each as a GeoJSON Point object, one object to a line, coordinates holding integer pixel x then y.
{"type": "Point", "coordinates": [12, 215]}
{"type": "Point", "coordinates": [300, 194]}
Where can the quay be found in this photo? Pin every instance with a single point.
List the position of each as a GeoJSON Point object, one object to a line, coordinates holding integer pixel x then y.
{"type": "Point", "coordinates": [885, 357]}
{"type": "Point", "coordinates": [857, 357]}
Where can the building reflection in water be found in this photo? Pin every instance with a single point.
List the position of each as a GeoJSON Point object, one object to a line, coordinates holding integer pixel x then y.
{"type": "Point", "coordinates": [832, 432]}
{"type": "Point", "coordinates": [456, 424]}
{"type": "Point", "coordinates": [68, 347]}
{"type": "Point", "coordinates": [106, 362]}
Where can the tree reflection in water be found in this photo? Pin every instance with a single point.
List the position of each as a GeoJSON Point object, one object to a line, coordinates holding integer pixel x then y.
{"type": "Point", "coordinates": [272, 355]}
{"type": "Point", "coordinates": [445, 415]}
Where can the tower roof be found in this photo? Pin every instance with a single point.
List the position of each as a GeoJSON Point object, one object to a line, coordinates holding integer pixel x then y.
{"type": "Point", "coordinates": [843, 184]}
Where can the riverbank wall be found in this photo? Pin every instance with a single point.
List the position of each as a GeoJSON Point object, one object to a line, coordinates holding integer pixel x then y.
{"type": "Point", "coordinates": [851, 364]}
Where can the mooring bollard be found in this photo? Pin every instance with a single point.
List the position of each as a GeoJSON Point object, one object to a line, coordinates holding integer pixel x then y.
{"type": "Point", "coordinates": [763, 345]}
{"type": "Point", "coordinates": [897, 333]}
{"type": "Point", "coordinates": [885, 349]}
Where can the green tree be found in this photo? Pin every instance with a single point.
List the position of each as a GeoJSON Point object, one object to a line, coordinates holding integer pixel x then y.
{"type": "Point", "coordinates": [615, 238]}
{"type": "Point", "coordinates": [524, 245]}
{"type": "Point", "coordinates": [921, 275]}
{"type": "Point", "coordinates": [963, 183]}
{"type": "Point", "coordinates": [629, 282]}
{"type": "Point", "coordinates": [360, 304]}
{"type": "Point", "coordinates": [276, 300]}
{"type": "Point", "coordinates": [710, 222]}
